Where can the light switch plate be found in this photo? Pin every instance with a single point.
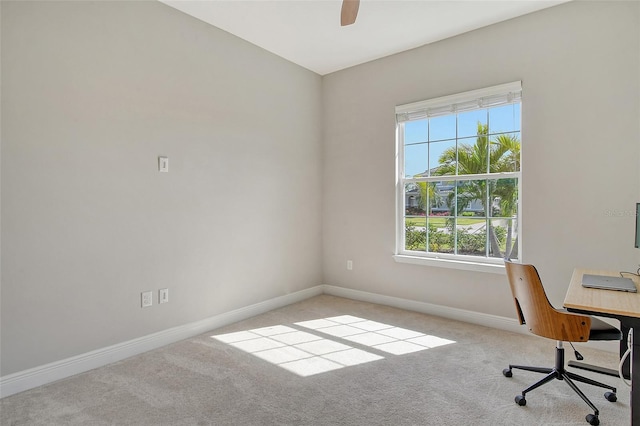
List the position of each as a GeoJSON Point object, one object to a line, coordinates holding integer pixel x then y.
{"type": "Point", "coordinates": [163, 295]}
{"type": "Point", "coordinates": [163, 164]}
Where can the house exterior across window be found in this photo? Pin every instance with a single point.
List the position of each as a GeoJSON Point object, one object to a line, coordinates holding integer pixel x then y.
{"type": "Point", "coordinates": [459, 177]}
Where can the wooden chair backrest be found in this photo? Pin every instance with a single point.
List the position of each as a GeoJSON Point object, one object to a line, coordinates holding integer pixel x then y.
{"type": "Point", "coordinates": [537, 313]}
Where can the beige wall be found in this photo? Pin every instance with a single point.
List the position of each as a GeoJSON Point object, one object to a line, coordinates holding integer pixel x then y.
{"type": "Point", "coordinates": [92, 94]}
{"type": "Point", "coordinates": [277, 176]}
{"type": "Point", "coordinates": [580, 72]}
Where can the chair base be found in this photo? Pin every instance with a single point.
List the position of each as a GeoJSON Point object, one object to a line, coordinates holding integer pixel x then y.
{"type": "Point", "coordinates": [558, 372]}
{"type": "Point", "coordinates": [596, 369]}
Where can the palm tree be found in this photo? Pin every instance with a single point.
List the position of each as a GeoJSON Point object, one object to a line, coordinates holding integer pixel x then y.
{"type": "Point", "coordinates": [485, 156]}
{"type": "Point", "coordinates": [427, 191]}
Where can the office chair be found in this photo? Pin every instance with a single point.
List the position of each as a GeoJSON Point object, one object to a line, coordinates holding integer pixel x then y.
{"type": "Point", "coordinates": [534, 310]}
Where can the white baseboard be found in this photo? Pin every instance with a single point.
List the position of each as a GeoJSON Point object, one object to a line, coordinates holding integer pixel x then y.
{"type": "Point", "coordinates": [41, 375]}
{"type": "Point", "coordinates": [48, 373]}
{"type": "Point", "coordinates": [493, 321]}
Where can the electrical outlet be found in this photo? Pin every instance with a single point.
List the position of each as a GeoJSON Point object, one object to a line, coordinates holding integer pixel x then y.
{"type": "Point", "coordinates": [147, 299]}
{"type": "Point", "coordinates": [163, 295]}
{"type": "Point", "coordinates": [349, 265]}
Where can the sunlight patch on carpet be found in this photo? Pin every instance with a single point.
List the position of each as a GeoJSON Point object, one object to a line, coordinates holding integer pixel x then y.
{"type": "Point", "coordinates": [384, 337]}
{"type": "Point", "coordinates": [306, 354]}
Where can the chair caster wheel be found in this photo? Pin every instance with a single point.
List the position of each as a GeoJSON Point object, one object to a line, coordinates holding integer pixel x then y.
{"type": "Point", "coordinates": [592, 419]}
{"type": "Point", "coordinates": [507, 372]}
{"type": "Point", "coordinates": [611, 396]}
{"type": "Point", "coordinates": [521, 401]}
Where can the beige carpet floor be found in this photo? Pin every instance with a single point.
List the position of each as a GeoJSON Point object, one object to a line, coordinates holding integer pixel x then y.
{"type": "Point", "coordinates": [326, 361]}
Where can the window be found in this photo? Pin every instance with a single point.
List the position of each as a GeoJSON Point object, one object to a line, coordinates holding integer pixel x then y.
{"type": "Point", "coordinates": [459, 177]}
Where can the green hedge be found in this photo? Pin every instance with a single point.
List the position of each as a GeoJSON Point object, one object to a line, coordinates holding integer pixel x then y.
{"type": "Point", "coordinates": [443, 242]}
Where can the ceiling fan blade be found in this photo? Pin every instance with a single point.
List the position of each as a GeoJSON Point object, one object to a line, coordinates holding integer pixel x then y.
{"type": "Point", "coordinates": [349, 12]}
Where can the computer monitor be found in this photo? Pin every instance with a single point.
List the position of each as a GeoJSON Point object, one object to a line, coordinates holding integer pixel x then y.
{"type": "Point", "coordinates": [637, 225]}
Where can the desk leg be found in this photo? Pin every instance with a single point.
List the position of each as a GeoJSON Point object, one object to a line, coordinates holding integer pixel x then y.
{"type": "Point", "coordinates": [635, 378]}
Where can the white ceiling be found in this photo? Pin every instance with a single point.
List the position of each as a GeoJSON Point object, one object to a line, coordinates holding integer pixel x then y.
{"type": "Point", "coordinates": [308, 32]}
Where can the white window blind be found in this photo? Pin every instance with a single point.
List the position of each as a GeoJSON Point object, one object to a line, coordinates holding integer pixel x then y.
{"type": "Point", "coordinates": [503, 94]}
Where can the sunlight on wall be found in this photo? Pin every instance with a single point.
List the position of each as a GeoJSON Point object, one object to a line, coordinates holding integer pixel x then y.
{"type": "Point", "coordinates": [306, 354]}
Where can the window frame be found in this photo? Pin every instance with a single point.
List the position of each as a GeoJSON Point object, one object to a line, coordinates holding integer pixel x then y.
{"type": "Point", "coordinates": [495, 96]}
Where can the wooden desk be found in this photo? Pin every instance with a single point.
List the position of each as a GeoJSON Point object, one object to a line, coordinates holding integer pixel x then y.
{"type": "Point", "coordinates": [620, 305]}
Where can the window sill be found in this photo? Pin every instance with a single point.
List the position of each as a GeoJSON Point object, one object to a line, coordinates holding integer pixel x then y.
{"type": "Point", "coordinates": [497, 268]}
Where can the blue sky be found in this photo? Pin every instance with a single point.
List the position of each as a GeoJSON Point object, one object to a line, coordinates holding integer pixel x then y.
{"type": "Point", "coordinates": [425, 140]}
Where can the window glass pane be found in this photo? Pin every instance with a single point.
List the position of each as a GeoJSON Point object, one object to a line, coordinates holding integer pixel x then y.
{"type": "Point", "coordinates": [442, 158]}
{"type": "Point", "coordinates": [473, 155]}
{"type": "Point", "coordinates": [415, 159]}
{"type": "Point", "coordinates": [505, 153]}
{"type": "Point", "coordinates": [440, 198]}
{"type": "Point", "coordinates": [504, 119]}
{"type": "Point", "coordinates": [471, 236]}
{"type": "Point", "coordinates": [414, 199]}
{"type": "Point", "coordinates": [441, 128]}
{"type": "Point", "coordinates": [440, 237]}
{"type": "Point", "coordinates": [512, 239]}
{"type": "Point", "coordinates": [503, 238]}
{"type": "Point", "coordinates": [415, 218]}
{"type": "Point", "coordinates": [415, 131]}
{"type": "Point", "coordinates": [503, 197]}
{"type": "Point", "coordinates": [415, 236]}
{"type": "Point", "coordinates": [436, 204]}
{"type": "Point", "coordinates": [471, 123]}
{"type": "Point", "coordinates": [471, 198]}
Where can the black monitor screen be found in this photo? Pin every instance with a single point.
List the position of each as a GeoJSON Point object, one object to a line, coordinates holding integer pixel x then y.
{"type": "Point", "coordinates": [637, 225]}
